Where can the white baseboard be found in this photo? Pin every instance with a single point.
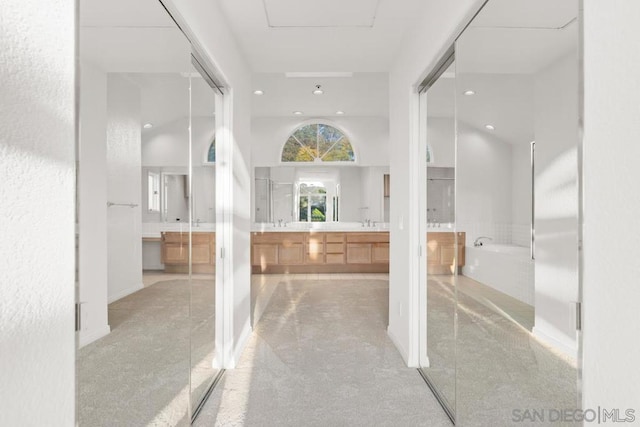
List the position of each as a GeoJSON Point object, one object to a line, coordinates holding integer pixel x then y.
{"type": "Point", "coordinates": [241, 343]}
{"type": "Point", "coordinates": [90, 336]}
{"type": "Point", "coordinates": [403, 352]}
{"type": "Point", "coordinates": [124, 293]}
{"type": "Point", "coordinates": [427, 363]}
{"type": "Point", "coordinates": [555, 343]}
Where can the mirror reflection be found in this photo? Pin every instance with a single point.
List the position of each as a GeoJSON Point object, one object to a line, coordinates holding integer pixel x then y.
{"type": "Point", "coordinates": [444, 254]}
{"type": "Point", "coordinates": [146, 221]}
{"type": "Point", "coordinates": [500, 319]}
{"type": "Point", "coordinates": [302, 194]}
{"type": "Point", "coordinates": [518, 305]}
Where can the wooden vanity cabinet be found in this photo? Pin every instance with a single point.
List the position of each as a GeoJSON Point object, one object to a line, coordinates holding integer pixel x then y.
{"type": "Point", "coordinates": [441, 252]}
{"type": "Point", "coordinates": [319, 252]}
{"type": "Point", "coordinates": [175, 252]}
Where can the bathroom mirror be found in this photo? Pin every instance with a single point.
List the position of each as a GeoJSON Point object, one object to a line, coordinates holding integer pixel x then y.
{"type": "Point", "coordinates": [175, 197]}
{"type": "Point", "coordinates": [165, 194]}
{"type": "Point", "coordinates": [340, 194]}
{"type": "Point", "coordinates": [516, 81]}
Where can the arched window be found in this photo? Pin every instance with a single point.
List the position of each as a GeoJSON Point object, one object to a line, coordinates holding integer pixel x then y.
{"type": "Point", "coordinates": [211, 154]}
{"type": "Point", "coordinates": [317, 143]}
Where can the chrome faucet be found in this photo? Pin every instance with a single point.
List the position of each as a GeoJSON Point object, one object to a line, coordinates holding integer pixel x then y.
{"type": "Point", "coordinates": [478, 241]}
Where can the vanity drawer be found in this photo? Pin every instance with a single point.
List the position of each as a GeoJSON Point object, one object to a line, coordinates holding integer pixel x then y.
{"type": "Point", "coordinates": [335, 237]}
{"type": "Point", "coordinates": [374, 237]}
{"type": "Point", "coordinates": [335, 248]}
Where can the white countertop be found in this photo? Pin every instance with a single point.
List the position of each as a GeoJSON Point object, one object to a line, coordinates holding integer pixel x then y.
{"type": "Point", "coordinates": [319, 226]}
{"type": "Point", "coordinates": [153, 229]}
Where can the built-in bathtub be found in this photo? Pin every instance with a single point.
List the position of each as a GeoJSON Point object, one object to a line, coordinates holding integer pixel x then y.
{"type": "Point", "coordinates": [506, 268]}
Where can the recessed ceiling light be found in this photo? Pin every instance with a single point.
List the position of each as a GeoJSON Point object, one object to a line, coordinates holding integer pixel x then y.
{"type": "Point", "coordinates": [490, 127]}
{"type": "Point", "coordinates": [258, 92]}
{"type": "Point", "coordinates": [340, 113]}
{"type": "Point", "coordinates": [148, 125]}
{"type": "Point", "coordinates": [297, 113]}
{"type": "Point", "coordinates": [317, 90]}
{"type": "Point", "coordinates": [469, 92]}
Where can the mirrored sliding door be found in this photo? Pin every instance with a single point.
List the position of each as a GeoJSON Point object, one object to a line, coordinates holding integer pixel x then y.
{"type": "Point", "coordinates": [438, 361]}
{"type": "Point", "coordinates": [204, 362]}
{"type": "Point", "coordinates": [516, 338]}
{"type": "Point", "coordinates": [146, 221]}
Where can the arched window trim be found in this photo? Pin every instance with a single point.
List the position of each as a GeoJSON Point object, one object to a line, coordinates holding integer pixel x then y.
{"type": "Point", "coordinates": [326, 162]}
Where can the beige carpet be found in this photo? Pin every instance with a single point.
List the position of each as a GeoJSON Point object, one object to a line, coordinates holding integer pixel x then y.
{"type": "Point", "coordinates": [138, 375]}
{"type": "Point", "coordinates": [320, 356]}
{"type": "Point", "coordinates": [492, 364]}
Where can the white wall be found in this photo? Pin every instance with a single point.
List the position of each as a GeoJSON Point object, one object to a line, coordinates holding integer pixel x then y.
{"type": "Point", "coordinates": [611, 152]}
{"type": "Point", "coordinates": [437, 23]}
{"type": "Point", "coordinates": [207, 22]}
{"type": "Point", "coordinates": [483, 186]}
{"type": "Point", "coordinates": [556, 208]}
{"type": "Point", "coordinates": [441, 134]}
{"type": "Point", "coordinates": [92, 203]}
{"type": "Point", "coordinates": [521, 194]}
{"type": "Point", "coordinates": [369, 137]}
{"type": "Point", "coordinates": [124, 234]}
{"type": "Point", "coordinates": [168, 144]}
{"type": "Point", "coordinates": [166, 148]}
{"type": "Point", "coordinates": [372, 192]}
{"type": "Point", "coordinates": [351, 196]}
{"type": "Point", "coordinates": [37, 211]}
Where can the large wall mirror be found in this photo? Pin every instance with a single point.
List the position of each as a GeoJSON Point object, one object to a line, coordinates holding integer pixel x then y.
{"type": "Point", "coordinates": [499, 331]}
{"type": "Point", "coordinates": [147, 219]}
{"type": "Point", "coordinates": [310, 193]}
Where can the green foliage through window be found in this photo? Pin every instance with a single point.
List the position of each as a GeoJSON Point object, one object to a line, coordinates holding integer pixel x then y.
{"type": "Point", "coordinates": [318, 143]}
{"type": "Point", "coordinates": [313, 202]}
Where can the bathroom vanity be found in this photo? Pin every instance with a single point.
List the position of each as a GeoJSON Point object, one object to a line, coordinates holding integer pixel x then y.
{"type": "Point", "coordinates": [315, 251]}
{"type": "Point", "coordinates": [442, 248]}
{"type": "Point", "coordinates": [175, 252]}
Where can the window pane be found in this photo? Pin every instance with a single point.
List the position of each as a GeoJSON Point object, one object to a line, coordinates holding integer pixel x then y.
{"type": "Point", "coordinates": [317, 142]}
{"type": "Point", "coordinates": [341, 152]}
{"type": "Point", "coordinates": [318, 208]}
{"type": "Point", "coordinates": [211, 156]}
{"type": "Point", "coordinates": [304, 208]}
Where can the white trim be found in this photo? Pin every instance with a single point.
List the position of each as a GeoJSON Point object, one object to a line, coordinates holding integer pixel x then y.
{"type": "Point", "coordinates": [555, 343]}
{"type": "Point", "coordinates": [220, 302]}
{"type": "Point", "coordinates": [224, 230]}
{"type": "Point", "coordinates": [398, 343]}
{"type": "Point", "coordinates": [124, 293]}
{"type": "Point", "coordinates": [87, 337]}
{"type": "Point", "coordinates": [415, 239]}
{"type": "Point", "coordinates": [423, 359]}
